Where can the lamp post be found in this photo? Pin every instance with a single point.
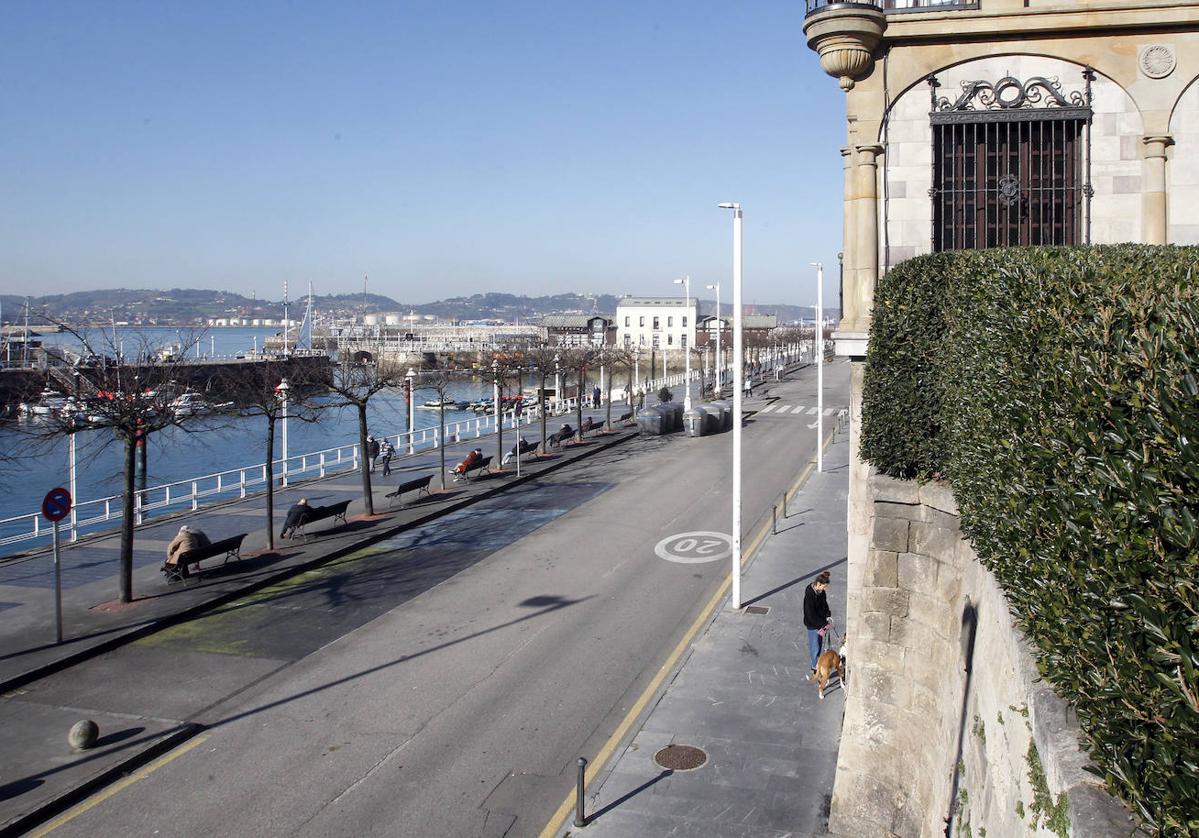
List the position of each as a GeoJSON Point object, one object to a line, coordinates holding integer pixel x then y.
{"type": "Point", "coordinates": [498, 411]}
{"type": "Point", "coordinates": [557, 382]}
{"type": "Point", "coordinates": [737, 372]}
{"type": "Point", "coordinates": [819, 365]}
{"type": "Point", "coordinates": [686, 283]}
{"type": "Point", "coordinates": [716, 287]}
{"type": "Point", "coordinates": [410, 382]}
{"type": "Point", "coordinates": [283, 390]}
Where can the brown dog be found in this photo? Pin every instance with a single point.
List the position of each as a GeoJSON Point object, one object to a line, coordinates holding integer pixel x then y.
{"type": "Point", "coordinates": [829, 662]}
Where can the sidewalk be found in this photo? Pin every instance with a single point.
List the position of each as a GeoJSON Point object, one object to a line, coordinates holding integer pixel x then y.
{"type": "Point", "coordinates": [742, 696]}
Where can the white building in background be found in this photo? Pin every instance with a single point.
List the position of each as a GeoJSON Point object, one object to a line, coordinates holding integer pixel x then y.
{"type": "Point", "coordinates": [656, 322]}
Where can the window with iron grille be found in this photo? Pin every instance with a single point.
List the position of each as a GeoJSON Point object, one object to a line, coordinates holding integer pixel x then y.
{"type": "Point", "coordinates": [1008, 165]}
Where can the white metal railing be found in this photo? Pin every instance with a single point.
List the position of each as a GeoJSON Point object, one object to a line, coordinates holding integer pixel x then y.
{"type": "Point", "coordinates": [239, 483]}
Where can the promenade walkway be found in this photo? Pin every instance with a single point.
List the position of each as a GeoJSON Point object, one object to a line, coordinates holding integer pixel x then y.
{"type": "Point", "coordinates": [742, 696]}
{"type": "Point", "coordinates": [91, 617]}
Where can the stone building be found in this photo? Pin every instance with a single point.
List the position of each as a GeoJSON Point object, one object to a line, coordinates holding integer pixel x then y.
{"type": "Point", "coordinates": [996, 123]}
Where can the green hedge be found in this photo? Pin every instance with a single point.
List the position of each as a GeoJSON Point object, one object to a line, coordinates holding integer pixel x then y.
{"type": "Point", "coordinates": [1055, 388]}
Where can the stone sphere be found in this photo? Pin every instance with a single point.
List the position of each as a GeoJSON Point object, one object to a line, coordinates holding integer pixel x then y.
{"type": "Point", "coordinates": [83, 735]}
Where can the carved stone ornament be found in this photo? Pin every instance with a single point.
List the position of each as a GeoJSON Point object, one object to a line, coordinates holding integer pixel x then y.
{"type": "Point", "coordinates": [1157, 61]}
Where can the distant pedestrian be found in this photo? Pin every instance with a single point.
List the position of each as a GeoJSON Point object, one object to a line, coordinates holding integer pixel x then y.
{"type": "Point", "coordinates": [640, 399]}
{"type": "Point", "coordinates": [372, 450]}
{"type": "Point", "coordinates": [749, 385]}
{"type": "Point", "coordinates": [595, 397]}
{"type": "Point", "coordinates": [816, 616]}
{"type": "Point", "coordinates": [386, 452]}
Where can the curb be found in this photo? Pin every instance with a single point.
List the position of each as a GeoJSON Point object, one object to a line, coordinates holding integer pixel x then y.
{"type": "Point", "coordinates": [71, 797]}
{"type": "Point", "coordinates": [129, 636]}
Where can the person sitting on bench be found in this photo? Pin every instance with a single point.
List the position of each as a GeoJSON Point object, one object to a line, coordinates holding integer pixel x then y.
{"type": "Point", "coordinates": [521, 447]}
{"type": "Point", "coordinates": [471, 461]}
{"type": "Point", "coordinates": [295, 517]}
{"type": "Point", "coordinates": [186, 540]}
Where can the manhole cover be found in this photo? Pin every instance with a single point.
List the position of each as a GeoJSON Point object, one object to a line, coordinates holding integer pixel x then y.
{"type": "Point", "coordinates": [680, 757]}
{"type": "Point", "coordinates": [757, 609]}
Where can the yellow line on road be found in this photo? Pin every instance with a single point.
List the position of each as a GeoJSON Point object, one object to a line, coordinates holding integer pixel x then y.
{"type": "Point", "coordinates": [605, 752]}
{"type": "Point", "coordinates": [635, 711]}
{"type": "Point", "coordinates": [116, 788]}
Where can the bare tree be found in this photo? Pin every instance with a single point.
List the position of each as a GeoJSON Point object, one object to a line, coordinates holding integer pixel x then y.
{"type": "Point", "coordinates": [439, 382]}
{"type": "Point", "coordinates": [132, 394]}
{"type": "Point", "coordinates": [356, 381]}
{"type": "Point", "coordinates": [616, 358]}
{"type": "Point", "coordinates": [576, 360]}
{"type": "Point", "coordinates": [496, 374]}
{"type": "Point", "coordinates": [259, 385]}
{"type": "Point", "coordinates": [542, 361]}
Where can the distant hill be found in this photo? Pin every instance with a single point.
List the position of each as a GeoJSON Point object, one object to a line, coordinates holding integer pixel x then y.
{"type": "Point", "coordinates": [189, 306]}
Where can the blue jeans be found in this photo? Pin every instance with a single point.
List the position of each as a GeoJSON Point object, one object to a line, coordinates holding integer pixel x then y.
{"type": "Point", "coordinates": [815, 642]}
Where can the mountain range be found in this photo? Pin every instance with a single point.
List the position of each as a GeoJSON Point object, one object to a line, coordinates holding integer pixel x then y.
{"type": "Point", "coordinates": [188, 306]}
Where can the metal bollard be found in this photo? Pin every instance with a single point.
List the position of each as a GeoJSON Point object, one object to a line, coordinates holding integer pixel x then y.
{"type": "Point", "coordinates": [580, 815]}
{"type": "Point", "coordinates": [774, 519]}
{"type": "Point", "coordinates": [784, 506]}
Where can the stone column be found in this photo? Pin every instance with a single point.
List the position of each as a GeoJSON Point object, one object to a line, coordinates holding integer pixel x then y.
{"type": "Point", "coordinates": [1153, 197]}
{"type": "Point", "coordinates": [865, 233]}
{"type": "Point", "coordinates": [851, 314]}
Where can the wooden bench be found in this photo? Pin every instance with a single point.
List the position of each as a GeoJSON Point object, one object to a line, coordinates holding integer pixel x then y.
{"type": "Point", "coordinates": [484, 463]}
{"type": "Point", "coordinates": [522, 448]}
{"type": "Point", "coordinates": [416, 484]}
{"type": "Point", "coordinates": [560, 437]}
{"type": "Point", "coordinates": [319, 513]}
{"type": "Point", "coordinates": [231, 547]}
{"type": "Point", "coordinates": [624, 417]}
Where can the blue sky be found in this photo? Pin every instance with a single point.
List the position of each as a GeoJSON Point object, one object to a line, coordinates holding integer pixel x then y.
{"type": "Point", "coordinates": [440, 148]}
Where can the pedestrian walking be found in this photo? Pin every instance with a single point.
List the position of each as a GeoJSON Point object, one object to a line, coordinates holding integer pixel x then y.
{"type": "Point", "coordinates": [386, 452]}
{"type": "Point", "coordinates": [640, 399]}
{"type": "Point", "coordinates": [595, 397]}
{"type": "Point", "coordinates": [749, 385]}
{"type": "Point", "coordinates": [372, 450]}
{"type": "Point", "coordinates": [816, 616]}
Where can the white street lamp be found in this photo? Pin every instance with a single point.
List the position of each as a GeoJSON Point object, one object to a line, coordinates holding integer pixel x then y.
{"type": "Point", "coordinates": [410, 379]}
{"type": "Point", "coordinates": [737, 372]}
{"type": "Point", "coordinates": [716, 287]}
{"type": "Point", "coordinates": [557, 382]}
{"type": "Point", "coordinates": [819, 365]}
{"type": "Point", "coordinates": [686, 283]}
{"type": "Point", "coordinates": [283, 389]}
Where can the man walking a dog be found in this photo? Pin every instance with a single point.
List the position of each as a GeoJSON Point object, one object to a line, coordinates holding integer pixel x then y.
{"type": "Point", "coordinates": [816, 616]}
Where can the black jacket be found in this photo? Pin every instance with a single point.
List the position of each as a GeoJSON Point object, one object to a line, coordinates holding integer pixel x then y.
{"type": "Point", "coordinates": [815, 609]}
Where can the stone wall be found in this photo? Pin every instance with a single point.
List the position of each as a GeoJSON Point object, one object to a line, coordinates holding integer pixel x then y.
{"type": "Point", "coordinates": [945, 718]}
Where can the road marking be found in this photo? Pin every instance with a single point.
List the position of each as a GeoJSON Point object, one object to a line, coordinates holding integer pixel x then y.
{"type": "Point", "coordinates": [116, 788]}
{"type": "Point", "coordinates": [767, 408]}
{"type": "Point", "coordinates": [695, 547]}
{"type": "Point", "coordinates": [558, 819]}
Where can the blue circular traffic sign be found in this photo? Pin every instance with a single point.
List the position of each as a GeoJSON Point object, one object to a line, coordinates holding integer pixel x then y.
{"type": "Point", "coordinates": [57, 504]}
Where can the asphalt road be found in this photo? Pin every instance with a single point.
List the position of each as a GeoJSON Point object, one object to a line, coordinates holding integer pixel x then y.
{"type": "Point", "coordinates": [442, 682]}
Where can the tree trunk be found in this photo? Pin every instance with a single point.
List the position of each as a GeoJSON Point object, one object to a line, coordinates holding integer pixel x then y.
{"type": "Point", "coordinates": [368, 499]}
{"type": "Point", "coordinates": [441, 437]}
{"type": "Point", "coordinates": [609, 419]}
{"type": "Point", "coordinates": [270, 482]}
{"type": "Point", "coordinates": [128, 499]}
{"type": "Point", "coordinates": [579, 402]}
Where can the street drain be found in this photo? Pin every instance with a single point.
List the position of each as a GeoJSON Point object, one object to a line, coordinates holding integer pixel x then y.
{"type": "Point", "coordinates": [757, 609]}
{"type": "Point", "coordinates": [680, 757]}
